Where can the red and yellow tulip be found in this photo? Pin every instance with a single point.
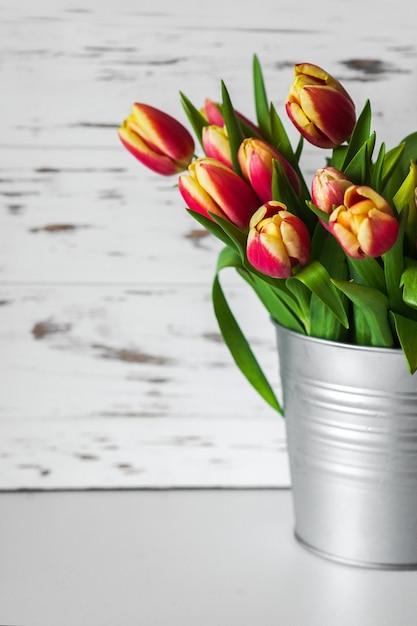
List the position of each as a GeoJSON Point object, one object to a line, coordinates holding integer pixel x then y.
{"type": "Point", "coordinates": [157, 140]}
{"type": "Point", "coordinates": [319, 107]}
{"type": "Point", "coordinates": [212, 187]}
{"type": "Point", "coordinates": [216, 144]}
{"type": "Point", "coordinates": [277, 241]}
{"type": "Point", "coordinates": [256, 158]}
{"type": "Point", "coordinates": [328, 188]}
{"type": "Point", "coordinates": [364, 224]}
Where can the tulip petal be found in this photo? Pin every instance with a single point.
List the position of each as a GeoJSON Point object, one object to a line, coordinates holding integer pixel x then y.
{"type": "Point", "coordinates": [267, 254]}
{"type": "Point", "coordinates": [196, 198]}
{"type": "Point", "coordinates": [162, 132]}
{"type": "Point", "coordinates": [378, 233]}
{"type": "Point", "coordinates": [158, 163]}
{"type": "Point", "coordinates": [347, 240]}
{"type": "Point", "coordinates": [332, 113]}
{"type": "Point", "coordinates": [306, 127]}
{"type": "Point", "coordinates": [228, 190]}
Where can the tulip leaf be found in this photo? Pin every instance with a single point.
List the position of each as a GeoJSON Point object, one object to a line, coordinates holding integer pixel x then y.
{"type": "Point", "coordinates": [279, 137]}
{"type": "Point", "coordinates": [317, 279]}
{"type": "Point", "coordinates": [322, 215]}
{"type": "Point", "coordinates": [360, 135]}
{"type": "Point", "coordinates": [279, 304]}
{"type": "Point", "coordinates": [374, 307]}
{"type": "Point", "coordinates": [195, 118]}
{"type": "Point", "coordinates": [394, 268]}
{"type": "Point", "coordinates": [303, 297]}
{"type": "Point", "coordinates": [234, 338]}
{"type": "Point", "coordinates": [213, 228]}
{"type": "Point", "coordinates": [283, 191]}
{"type": "Point", "coordinates": [390, 164]}
{"type": "Point", "coordinates": [376, 170]}
{"type": "Point", "coordinates": [407, 334]}
{"type": "Point", "coordinates": [235, 234]}
{"type": "Point", "coordinates": [338, 156]}
{"type": "Point", "coordinates": [261, 99]}
{"type": "Point", "coordinates": [359, 168]}
{"type": "Point", "coordinates": [409, 283]}
{"type": "Point", "coordinates": [368, 272]}
{"type": "Point", "coordinates": [327, 250]}
{"type": "Point", "coordinates": [405, 200]}
{"type": "Point", "coordinates": [408, 155]}
{"type": "Point", "coordinates": [234, 130]}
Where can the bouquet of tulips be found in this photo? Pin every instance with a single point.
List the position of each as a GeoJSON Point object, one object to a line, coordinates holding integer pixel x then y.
{"type": "Point", "coordinates": [335, 258]}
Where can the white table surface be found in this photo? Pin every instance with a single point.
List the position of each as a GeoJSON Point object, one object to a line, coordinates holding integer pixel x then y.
{"type": "Point", "coordinates": [180, 558]}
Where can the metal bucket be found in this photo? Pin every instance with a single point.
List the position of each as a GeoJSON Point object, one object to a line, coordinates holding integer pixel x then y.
{"type": "Point", "coordinates": [351, 420]}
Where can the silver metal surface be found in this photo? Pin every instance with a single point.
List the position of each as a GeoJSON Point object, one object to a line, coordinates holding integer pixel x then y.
{"type": "Point", "coordinates": [351, 419]}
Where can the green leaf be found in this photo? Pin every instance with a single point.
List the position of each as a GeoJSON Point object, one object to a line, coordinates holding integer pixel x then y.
{"type": "Point", "coordinates": [394, 267]}
{"type": "Point", "coordinates": [279, 138]}
{"type": "Point", "coordinates": [235, 339]}
{"type": "Point", "coordinates": [322, 215]}
{"type": "Point", "coordinates": [283, 191]}
{"type": "Point", "coordinates": [374, 307]}
{"type": "Point", "coordinates": [197, 120]}
{"type": "Point", "coordinates": [261, 99]}
{"type": "Point", "coordinates": [405, 200]}
{"type": "Point", "coordinates": [408, 155]}
{"type": "Point", "coordinates": [327, 250]}
{"type": "Point", "coordinates": [368, 272]}
{"type": "Point", "coordinates": [390, 163]}
{"type": "Point", "coordinates": [360, 135]}
{"type": "Point", "coordinates": [279, 304]}
{"type": "Point", "coordinates": [376, 170]}
{"type": "Point", "coordinates": [409, 283]}
{"type": "Point", "coordinates": [213, 228]}
{"type": "Point", "coordinates": [359, 168]}
{"type": "Point", "coordinates": [407, 335]}
{"type": "Point", "coordinates": [317, 279]}
{"type": "Point", "coordinates": [303, 297]}
{"type": "Point", "coordinates": [234, 130]}
{"type": "Point", "coordinates": [235, 234]}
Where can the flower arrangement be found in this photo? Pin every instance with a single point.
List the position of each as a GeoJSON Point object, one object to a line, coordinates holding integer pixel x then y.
{"type": "Point", "coordinates": [335, 258]}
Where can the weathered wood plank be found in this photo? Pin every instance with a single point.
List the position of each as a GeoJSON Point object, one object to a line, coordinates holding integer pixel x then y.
{"type": "Point", "coordinates": [106, 321]}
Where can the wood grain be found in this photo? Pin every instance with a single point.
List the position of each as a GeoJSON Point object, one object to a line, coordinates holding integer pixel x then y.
{"type": "Point", "coordinates": [112, 369]}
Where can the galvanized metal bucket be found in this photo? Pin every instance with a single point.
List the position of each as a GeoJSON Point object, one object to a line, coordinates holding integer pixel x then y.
{"type": "Point", "coordinates": [351, 420]}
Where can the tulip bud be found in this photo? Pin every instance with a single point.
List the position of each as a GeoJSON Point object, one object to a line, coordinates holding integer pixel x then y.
{"type": "Point", "coordinates": [277, 241]}
{"type": "Point", "coordinates": [216, 144]}
{"type": "Point", "coordinates": [157, 140]}
{"type": "Point", "coordinates": [365, 224]}
{"type": "Point", "coordinates": [319, 107]}
{"type": "Point", "coordinates": [211, 111]}
{"type": "Point", "coordinates": [328, 188]}
{"type": "Point", "coordinates": [256, 159]}
{"type": "Point", "coordinates": [215, 188]}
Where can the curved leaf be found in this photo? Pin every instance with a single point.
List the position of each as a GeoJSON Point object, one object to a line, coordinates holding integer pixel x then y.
{"type": "Point", "coordinates": [407, 335]}
{"type": "Point", "coordinates": [235, 339]}
{"type": "Point", "coordinates": [374, 307]}
{"type": "Point", "coordinates": [317, 279]}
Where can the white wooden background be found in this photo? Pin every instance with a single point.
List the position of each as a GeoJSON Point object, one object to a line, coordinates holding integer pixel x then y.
{"type": "Point", "coordinates": [112, 371]}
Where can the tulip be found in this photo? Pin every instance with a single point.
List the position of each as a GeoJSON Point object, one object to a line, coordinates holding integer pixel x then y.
{"type": "Point", "coordinates": [364, 224]}
{"type": "Point", "coordinates": [211, 187]}
{"type": "Point", "coordinates": [277, 241]}
{"type": "Point", "coordinates": [211, 111]}
{"type": "Point", "coordinates": [216, 144]}
{"type": "Point", "coordinates": [256, 159]}
{"type": "Point", "coordinates": [328, 188]}
{"type": "Point", "coordinates": [319, 107]}
{"type": "Point", "coordinates": [157, 140]}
